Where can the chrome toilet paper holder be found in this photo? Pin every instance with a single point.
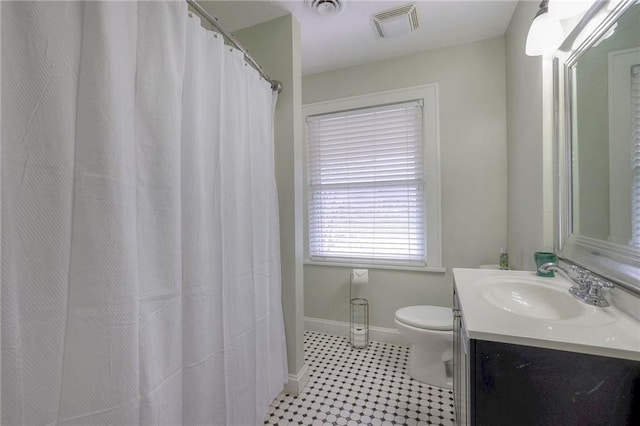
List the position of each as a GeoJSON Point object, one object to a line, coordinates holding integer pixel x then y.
{"type": "Point", "coordinates": [358, 312]}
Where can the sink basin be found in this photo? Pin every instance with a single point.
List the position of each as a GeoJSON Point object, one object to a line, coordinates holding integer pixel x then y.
{"type": "Point", "coordinates": [531, 297]}
{"type": "Point", "coordinates": [518, 307]}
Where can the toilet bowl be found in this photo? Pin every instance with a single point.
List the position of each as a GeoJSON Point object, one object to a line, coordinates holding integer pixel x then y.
{"type": "Point", "coordinates": [429, 330]}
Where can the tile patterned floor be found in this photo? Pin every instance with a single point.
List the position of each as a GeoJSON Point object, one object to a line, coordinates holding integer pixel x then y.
{"type": "Point", "coordinates": [360, 387]}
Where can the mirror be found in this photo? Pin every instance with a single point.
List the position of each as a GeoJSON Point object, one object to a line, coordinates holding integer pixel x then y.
{"type": "Point", "coordinates": [602, 144]}
{"type": "Point", "coordinates": [598, 132]}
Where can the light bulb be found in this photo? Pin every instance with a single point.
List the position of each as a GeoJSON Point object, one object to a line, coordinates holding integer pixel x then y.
{"type": "Point", "coordinates": [545, 35]}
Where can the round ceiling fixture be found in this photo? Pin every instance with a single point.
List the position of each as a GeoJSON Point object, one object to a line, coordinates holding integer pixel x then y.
{"type": "Point", "coordinates": [326, 7]}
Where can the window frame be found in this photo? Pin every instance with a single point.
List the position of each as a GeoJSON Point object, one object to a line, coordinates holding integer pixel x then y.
{"type": "Point", "coordinates": [428, 95]}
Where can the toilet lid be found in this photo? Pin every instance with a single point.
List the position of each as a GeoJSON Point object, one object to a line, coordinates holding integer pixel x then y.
{"type": "Point", "coordinates": [428, 317]}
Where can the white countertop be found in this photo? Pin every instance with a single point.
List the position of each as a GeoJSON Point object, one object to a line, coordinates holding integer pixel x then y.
{"type": "Point", "coordinates": [598, 331]}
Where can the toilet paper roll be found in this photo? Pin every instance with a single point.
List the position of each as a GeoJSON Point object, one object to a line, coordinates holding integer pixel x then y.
{"type": "Point", "coordinates": [359, 337]}
{"type": "Point", "coordinates": [359, 276]}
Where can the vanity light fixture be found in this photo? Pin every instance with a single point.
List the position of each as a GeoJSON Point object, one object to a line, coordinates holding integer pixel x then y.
{"type": "Point", "coordinates": [545, 34]}
{"type": "Point", "coordinates": [563, 9]}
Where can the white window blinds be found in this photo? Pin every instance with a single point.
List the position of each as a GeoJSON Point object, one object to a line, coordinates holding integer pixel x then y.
{"type": "Point", "coordinates": [366, 185]}
{"type": "Point", "coordinates": [635, 141]}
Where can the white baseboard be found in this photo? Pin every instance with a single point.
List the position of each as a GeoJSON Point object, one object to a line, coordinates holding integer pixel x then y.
{"type": "Point", "coordinates": [297, 382]}
{"type": "Point", "coordinates": [338, 328]}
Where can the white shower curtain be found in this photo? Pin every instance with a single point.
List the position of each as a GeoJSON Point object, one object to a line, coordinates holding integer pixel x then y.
{"type": "Point", "coordinates": [140, 242]}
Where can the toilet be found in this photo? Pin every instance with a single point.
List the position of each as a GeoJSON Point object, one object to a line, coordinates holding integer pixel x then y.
{"type": "Point", "coordinates": [429, 330]}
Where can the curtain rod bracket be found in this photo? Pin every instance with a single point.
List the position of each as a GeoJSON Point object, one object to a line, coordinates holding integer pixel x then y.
{"type": "Point", "coordinates": [276, 86]}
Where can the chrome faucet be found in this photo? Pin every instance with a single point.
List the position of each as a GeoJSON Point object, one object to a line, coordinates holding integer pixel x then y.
{"type": "Point", "coordinates": [595, 295]}
{"type": "Point", "coordinates": [587, 287]}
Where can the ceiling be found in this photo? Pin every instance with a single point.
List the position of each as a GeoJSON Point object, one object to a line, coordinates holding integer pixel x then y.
{"type": "Point", "coordinates": [332, 42]}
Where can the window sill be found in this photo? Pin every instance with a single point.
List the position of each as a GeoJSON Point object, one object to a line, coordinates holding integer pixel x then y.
{"type": "Point", "coordinates": [437, 270]}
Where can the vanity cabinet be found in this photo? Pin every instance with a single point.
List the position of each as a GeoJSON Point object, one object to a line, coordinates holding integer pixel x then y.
{"type": "Point", "coordinates": [460, 365]}
{"type": "Point", "coordinates": [498, 383]}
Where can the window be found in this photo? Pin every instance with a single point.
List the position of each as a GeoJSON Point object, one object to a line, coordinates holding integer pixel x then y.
{"type": "Point", "coordinates": [367, 181]}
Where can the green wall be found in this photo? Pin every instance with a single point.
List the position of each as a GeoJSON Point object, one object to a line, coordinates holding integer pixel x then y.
{"type": "Point", "coordinates": [472, 119]}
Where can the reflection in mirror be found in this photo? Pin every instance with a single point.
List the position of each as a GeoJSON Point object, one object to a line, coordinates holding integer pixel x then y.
{"type": "Point", "coordinates": [606, 136]}
{"type": "Point", "coordinates": [597, 91]}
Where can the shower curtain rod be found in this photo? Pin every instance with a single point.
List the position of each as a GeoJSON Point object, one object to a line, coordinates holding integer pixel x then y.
{"type": "Point", "coordinates": [275, 84]}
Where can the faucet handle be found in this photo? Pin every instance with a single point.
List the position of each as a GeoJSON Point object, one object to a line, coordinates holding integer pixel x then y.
{"type": "Point", "coordinates": [579, 272]}
{"type": "Point", "coordinates": [581, 276]}
{"type": "Point", "coordinates": [602, 283]}
{"type": "Point", "coordinates": [595, 295]}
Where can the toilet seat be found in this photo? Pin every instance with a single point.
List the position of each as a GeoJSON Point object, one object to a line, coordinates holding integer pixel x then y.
{"type": "Point", "coordinates": [426, 317]}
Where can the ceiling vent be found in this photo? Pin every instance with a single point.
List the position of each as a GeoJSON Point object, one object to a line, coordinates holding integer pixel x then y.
{"type": "Point", "coordinates": [326, 7]}
{"type": "Point", "coordinates": [397, 21]}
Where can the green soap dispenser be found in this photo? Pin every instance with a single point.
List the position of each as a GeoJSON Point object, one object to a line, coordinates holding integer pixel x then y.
{"type": "Point", "coordinates": [504, 259]}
